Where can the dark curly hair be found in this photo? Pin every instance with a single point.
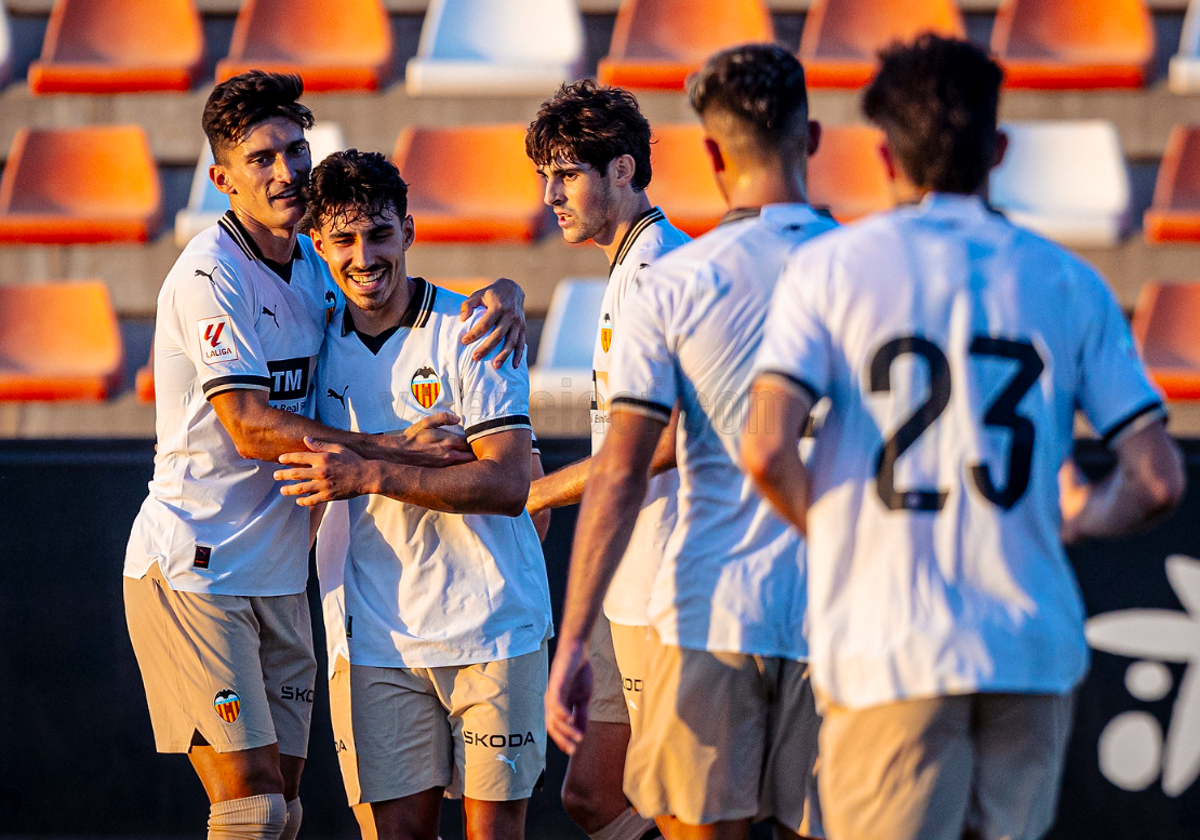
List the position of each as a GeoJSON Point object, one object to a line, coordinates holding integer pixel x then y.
{"type": "Point", "coordinates": [937, 99]}
{"type": "Point", "coordinates": [247, 99]}
{"type": "Point", "coordinates": [760, 85]}
{"type": "Point", "coordinates": [591, 124]}
{"type": "Point", "coordinates": [354, 185]}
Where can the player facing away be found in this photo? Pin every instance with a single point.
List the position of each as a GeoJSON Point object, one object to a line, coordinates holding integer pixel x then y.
{"type": "Point", "coordinates": [946, 628]}
{"type": "Point", "coordinates": [447, 603]}
{"type": "Point", "coordinates": [729, 728]}
{"type": "Point", "coordinates": [216, 565]}
{"type": "Point", "coordinates": [591, 145]}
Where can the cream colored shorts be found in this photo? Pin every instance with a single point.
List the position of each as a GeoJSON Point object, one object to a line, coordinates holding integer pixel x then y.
{"type": "Point", "coordinates": [477, 730]}
{"type": "Point", "coordinates": [725, 736]}
{"type": "Point", "coordinates": [239, 671]}
{"type": "Point", "coordinates": [608, 701]}
{"type": "Point", "coordinates": [629, 645]}
{"type": "Point", "coordinates": [987, 763]}
{"type": "Point", "coordinates": [343, 729]}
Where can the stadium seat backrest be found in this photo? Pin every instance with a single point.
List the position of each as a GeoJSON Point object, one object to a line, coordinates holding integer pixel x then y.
{"type": "Point", "coordinates": [569, 332]}
{"type": "Point", "coordinates": [1174, 214]}
{"type": "Point", "coordinates": [6, 46]}
{"type": "Point", "coordinates": [683, 184]}
{"type": "Point", "coordinates": [1184, 71]}
{"type": "Point", "coordinates": [520, 31]}
{"type": "Point", "coordinates": [1164, 325]}
{"type": "Point", "coordinates": [59, 341]}
{"type": "Point", "coordinates": [1062, 166]}
{"type": "Point", "coordinates": [842, 37]}
{"type": "Point", "coordinates": [847, 174]}
{"type": "Point", "coordinates": [1074, 43]}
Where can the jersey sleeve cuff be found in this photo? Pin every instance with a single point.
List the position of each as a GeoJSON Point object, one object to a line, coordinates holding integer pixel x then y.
{"type": "Point", "coordinates": [221, 384]}
{"type": "Point", "coordinates": [496, 425]}
{"type": "Point", "coordinates": [791, 383]}
{"type": "Point", "coordinates": [1139, 419]}
{"type": "Point", "coordinates": [647, 408]}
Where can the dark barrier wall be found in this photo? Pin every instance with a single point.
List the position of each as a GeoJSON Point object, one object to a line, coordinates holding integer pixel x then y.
{"type": "Point", "coordinates": [77, 755]}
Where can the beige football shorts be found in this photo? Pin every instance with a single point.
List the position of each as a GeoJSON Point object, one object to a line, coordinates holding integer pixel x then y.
{"type": "Point", "coordinates": [236, 671]}
{"type": "Point", "coordinates": [608, 700]}
{"type": "Point", "coordinates": [990, 764]}
{"type": "Point", "coordinates": [725, 736]}
{"type": "Point", "coordinates": [629, 645]}
{"type": "Point", "coordinates": [343, 729]}
{"type": "Point", "coordinates": [476, 730]}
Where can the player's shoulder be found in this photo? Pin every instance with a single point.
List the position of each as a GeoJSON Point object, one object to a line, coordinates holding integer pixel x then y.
{"type": "Point", "coordinates": [212, 257]}
{"type": "Point", "coordinates": [654, 236]}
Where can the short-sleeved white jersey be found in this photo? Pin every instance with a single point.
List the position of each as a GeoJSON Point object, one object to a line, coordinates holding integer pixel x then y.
{"type": "Point", "coordinates": [732, 579]}
{"type": "Point", "coordinates": [333, 544]}
{"type": "Point", "coordinates": [625, 603]}
{"type": "Point", "coordinates": [425, 588]}
{"type": "Point", "coordinates": [227, 318]}
{"type": "Point", "coordinates": [955, 349]}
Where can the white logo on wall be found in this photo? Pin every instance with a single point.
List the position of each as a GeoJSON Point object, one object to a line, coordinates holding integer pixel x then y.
{"type": "Point", "coordinates": [1133, 751]}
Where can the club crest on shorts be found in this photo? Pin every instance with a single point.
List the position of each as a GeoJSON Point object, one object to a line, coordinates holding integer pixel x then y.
{"type": "Point", "coordinates": [426, 387]}
{"type": "Point", "coordinates": [228, 705]}
{"type": "Point", "coordinates": [606, 333]}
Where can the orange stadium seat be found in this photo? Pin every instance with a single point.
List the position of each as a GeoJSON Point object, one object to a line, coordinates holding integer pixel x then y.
{"type": "Point", "coordinates": [60, 341]}
{"type": "Point", "coordinates": [143, 384]}
{"type": "Point", "coordinates": [118, 46]}
{"type": "Point", "coordinates": [6, 46]}
{"type": "Point", "coordinates": [847, 174]}
{"type": "Point", "coordinates": [334, 46]}
{"type": "Point", "coordinates": [683, 184]}
{"type": "Point", "coordinates": [841, 37]}
{"type": "Point", "coordinates": [79, 185]}
{"type": "Point", "coordinates": [461, 285]}
{"type": "Point", "coordinates": [1064, 44]}
{"type": "Point", "coordinates": [656, 43]}
{"type": "Point", "coordinates": [1175, 214]}
{"type": "Point", "coordinates": [471, 184]}
{"type": "Point", "coordinates": [1164, 324]}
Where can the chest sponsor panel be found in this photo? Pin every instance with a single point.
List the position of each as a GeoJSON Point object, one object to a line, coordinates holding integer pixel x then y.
{"type": "Point", "coordinates": [289, 379]}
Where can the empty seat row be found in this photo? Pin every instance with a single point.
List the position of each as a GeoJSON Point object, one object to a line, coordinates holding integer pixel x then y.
{"type": "Point", "coordinates": [474, 47]}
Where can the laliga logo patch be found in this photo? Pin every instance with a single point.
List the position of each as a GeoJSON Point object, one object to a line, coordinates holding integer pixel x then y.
{"type": "Point", "coordinates": [426, 387]}
{"type": "Point", "coordinates": [228, 705]}
{"type": "Point", "coordinates": [606, 333]}
{"type": "Point", "coordinates": [216, 340]}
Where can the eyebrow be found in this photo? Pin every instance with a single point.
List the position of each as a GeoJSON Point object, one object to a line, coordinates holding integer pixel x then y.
{"type": "Point", "coordinates": [562, 168]}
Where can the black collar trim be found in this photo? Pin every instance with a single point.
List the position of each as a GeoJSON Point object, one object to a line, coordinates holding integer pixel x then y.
{"type": "Point", "coordinates": [642, 222]}
{"type": "Point", "coordinates": [420, 307]}
{"type": "Point", "coordinates": [739, 213]}
{"type": "Point", "coordinates": [232, 225]}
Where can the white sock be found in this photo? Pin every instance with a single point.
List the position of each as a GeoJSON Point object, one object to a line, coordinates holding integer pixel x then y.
{"type": "Point", "coordinates": [629, 826]}
{"type": "Point", "coordinates": [295, 813]}
{"type": "Point", "coordinates": [259, 817]}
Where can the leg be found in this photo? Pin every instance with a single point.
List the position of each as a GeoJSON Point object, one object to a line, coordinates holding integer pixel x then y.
{"type": "Point", "coordinates": [409, 817]}
{"type": "Point", "coordinates": [366, 821]}
{"type": "Point", "coordinates": [495, 820]}
{"type": "Point", "coordinates": [236, 775]}
{"type": "Point", "coordinates": [591, 793]}
{"type": "Point", "coordinates": [673, 829]}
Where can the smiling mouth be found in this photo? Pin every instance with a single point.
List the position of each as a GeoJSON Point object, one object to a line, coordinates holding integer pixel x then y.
{"type": "Point", "coordinates": [364, 279]}
{"type": "Point", "coordinates": [287, 195]}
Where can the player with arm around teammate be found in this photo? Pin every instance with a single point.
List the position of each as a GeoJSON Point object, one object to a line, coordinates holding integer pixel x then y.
{"type": "Point", "coordinates": [946, 628]}
{"type": "Point", "coordinates": [729, 726]}
{"type": "Point", "coordinates": [591, 145]}
{"type": "Point", "coordinates": [216, 564]}
{"type": "Point", "coordinates": [446, 599]}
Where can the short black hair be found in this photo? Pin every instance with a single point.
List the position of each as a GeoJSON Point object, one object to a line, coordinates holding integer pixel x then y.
{"type": "Point", "coordinates": [591, 124]}
{"type": "Point", "coordinates": [353, 185]}
{"type": "Point", "coordinates": [937, 99]}
{"type": "Point", "coordinates": [244, 101]}
{"type": "Point", "coordinates": [760, 85]}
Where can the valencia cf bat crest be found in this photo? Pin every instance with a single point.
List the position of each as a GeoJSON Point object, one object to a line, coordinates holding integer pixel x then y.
{"type": "Point", "coordinates": [426, 387]}
{"type": "Point", "coordinates": [606, 333]}
{"type": "Point", "coordinates": [228, 705]}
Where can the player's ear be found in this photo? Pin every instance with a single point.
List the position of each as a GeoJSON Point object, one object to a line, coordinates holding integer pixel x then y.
{"type": "Point", "coordinates": [622, 169]}
{"type": "Point", "coordinates": [1001, 147]}
{"type": "Point", "coordinates": [889, 163]}
{"type": "Point", "coordinates": [408, 231]}
{"type": "Point", "coordinates": [814, 137]}
{"type": "Point", "coordinates": [715, 158]}
{"type": "Point", "coordinates": [318, 242]}
{"type": "Point", "coordinates": [220, 178]}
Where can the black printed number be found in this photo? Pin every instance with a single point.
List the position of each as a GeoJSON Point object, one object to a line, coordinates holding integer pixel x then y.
{"type": "Point", "coordinates": [1002, 413]}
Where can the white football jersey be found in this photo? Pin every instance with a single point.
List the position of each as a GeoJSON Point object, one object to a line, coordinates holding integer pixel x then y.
{"type": "Point", "coordinates": [954, 348]}
{"type": "Point", "coordinates": [425, 588]}
{"type": "Point", "coordinates": [215, 521]}
{"type": "Point", "coordinates": [333, 544]}
{"type": "Point", "coordinates": [732, 579]}
{"type": "Point", "coordinates": [627, 597]}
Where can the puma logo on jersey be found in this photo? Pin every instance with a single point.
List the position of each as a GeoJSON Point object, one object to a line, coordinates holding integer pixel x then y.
{"type": "Point", "coordinates": [208, 274]}
{"type": "Point", "coordinates": [511, 762]}
{"type": "Point", "coordinates": [329, 392]}
{"type": "Point", "coordinates": [266, 311]}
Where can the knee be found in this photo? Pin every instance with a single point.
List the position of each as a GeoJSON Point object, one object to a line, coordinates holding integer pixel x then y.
{"type": "Point", "coordinates": [580, 802]}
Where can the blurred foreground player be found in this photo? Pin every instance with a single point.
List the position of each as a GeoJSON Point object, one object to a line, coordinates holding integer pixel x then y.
{"type": "Point", "coordinates": [217, 562]}
{"type": "Point", "coordinates": [447, 606]}
{"type": "Point", "coordinates": [729, 728]}
{"type": "Point", "coordinates": [591, 145]}
{"type": "Point", "coordinates": [946, 629]}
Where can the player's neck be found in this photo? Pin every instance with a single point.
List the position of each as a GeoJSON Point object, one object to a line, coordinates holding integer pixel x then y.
{"type": "Point", "coordinates": [758, 186]}
{"type": "Point", "coordinates": [276, 244]}
{"type": "Point", "coordinates": [375, 321]}
{"type": "Point", "coordinates": [625, 218]}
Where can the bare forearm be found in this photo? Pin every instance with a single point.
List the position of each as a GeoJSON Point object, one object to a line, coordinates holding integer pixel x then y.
{"type": "Point", "coordinates": [785, 484]}
{"type": "Point", "coordinates": [268, 434]}
{"type": "Point", "coordinates": [1119, 505]}
{"type": "Point", "coordinates": [483, 487]}
{"type": "Point", "coordinates": [560, 488]}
